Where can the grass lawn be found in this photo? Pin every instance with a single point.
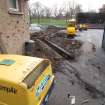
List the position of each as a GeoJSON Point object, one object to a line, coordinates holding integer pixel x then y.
{"type": "Point", "coordinates": [47, 21]}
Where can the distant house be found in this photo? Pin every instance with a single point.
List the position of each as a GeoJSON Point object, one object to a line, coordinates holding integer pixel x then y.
{"type": "Point", "coordinates": [13, 25]}
{"type": "Point", "coordinates": [102, 10]}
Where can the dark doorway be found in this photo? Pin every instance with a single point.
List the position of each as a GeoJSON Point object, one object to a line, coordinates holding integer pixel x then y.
{"type": "Point", "coordinates": [103, 41]}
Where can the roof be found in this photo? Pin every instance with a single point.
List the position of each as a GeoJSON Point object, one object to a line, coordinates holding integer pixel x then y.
{"type": "Point", "coordinates": [72, 20]}
{"type": "Point", "coordinates": [16, 67]}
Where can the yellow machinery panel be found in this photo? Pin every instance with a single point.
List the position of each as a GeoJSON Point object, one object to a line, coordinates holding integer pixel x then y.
{"type": "Point", "coordinates": [71, 28]}
{"type": "Point", "coordinates": [71, 31]}
{"type": "Point", "coordinates": [24, 80]}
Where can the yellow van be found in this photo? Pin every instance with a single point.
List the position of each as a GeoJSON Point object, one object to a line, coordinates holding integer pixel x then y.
{"type": "Point", "coordinates": [25, 80]}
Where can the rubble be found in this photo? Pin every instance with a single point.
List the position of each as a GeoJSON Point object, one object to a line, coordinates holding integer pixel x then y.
{"type": "Point", "coordinates": [71, 46]}
{"type": "Point", "coordinates": [42, 50]}
{"type": "Point", "coordinates": [60, 50]}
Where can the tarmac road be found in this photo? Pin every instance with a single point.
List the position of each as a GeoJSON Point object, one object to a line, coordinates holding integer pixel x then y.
{"type": "Point", "coordinates": [93, 36]}
{"type": "Point", "coordinates": [67, 83]}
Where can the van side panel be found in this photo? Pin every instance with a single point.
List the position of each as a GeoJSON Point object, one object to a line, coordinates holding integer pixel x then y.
{"type": "Point", "coordinates": [38, 92]}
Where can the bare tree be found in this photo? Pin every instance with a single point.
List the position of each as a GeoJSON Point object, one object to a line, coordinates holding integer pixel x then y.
{"type": "Point", "coordinates": [68, 10]}
{"type": "Point", "coordinates": [30, 15]}
{"type": "Point", "coordinates": [55, 11]}
{"type": "Point", "coordinates": [48, 12]}
{"type": "Point", "coordinates": [71, 9]}
{"type": "Point", "coordinates": [61, 12]}
{"type": "Point", "coordinates": [78, 9]}
{"type": "Point", "coordinates": [37, 10]}
{"type": "Point", "coordinates": [33, 13]}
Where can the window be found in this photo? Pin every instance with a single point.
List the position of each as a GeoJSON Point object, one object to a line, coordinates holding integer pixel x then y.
{"type": "Point", "coordinates": [30, 79]}
{"type": "Point", "coordinates": [14, 5]}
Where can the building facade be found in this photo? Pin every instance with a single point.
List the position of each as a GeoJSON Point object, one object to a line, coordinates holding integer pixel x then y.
{"type": "Point", "coordinates": [14, 25]}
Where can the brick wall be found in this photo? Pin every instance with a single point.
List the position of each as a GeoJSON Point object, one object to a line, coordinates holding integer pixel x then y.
{"type": "Point", "coordinates": [13, 28]}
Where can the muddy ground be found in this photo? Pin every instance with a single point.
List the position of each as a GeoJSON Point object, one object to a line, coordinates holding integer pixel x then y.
{"type": "Point", "coordinates": [77, 77]}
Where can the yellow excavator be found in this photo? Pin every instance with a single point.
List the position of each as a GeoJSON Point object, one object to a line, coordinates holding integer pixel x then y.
{"type": "Point", "coordinates": [71, 28]}
{"type": "Point", "coordinates": [25, 80]}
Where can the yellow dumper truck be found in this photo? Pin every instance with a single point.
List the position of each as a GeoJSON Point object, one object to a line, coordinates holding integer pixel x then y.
{"type": "Point", "coordinates": [25, 80]}
{"type": "Point", "coordinates": [83, 27]}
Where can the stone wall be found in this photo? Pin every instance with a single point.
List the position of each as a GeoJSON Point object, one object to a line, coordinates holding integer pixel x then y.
{"type": "Point", "coordinates": [13, 28]}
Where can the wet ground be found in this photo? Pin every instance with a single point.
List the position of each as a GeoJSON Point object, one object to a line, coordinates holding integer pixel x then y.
{"type": "Point", "coordinates": [68, 82]}
{"type": "Point", "coordinates": [83, 77]}
{"type": "Point", "coordinates": [93, 36]}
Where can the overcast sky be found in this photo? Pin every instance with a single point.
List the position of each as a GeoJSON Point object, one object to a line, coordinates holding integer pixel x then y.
{"type": "Point", "coordinates": [86, 4]}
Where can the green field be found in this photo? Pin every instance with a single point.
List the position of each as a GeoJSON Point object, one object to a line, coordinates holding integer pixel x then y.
{"type": "Point", "coordinates": [49, 21]}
